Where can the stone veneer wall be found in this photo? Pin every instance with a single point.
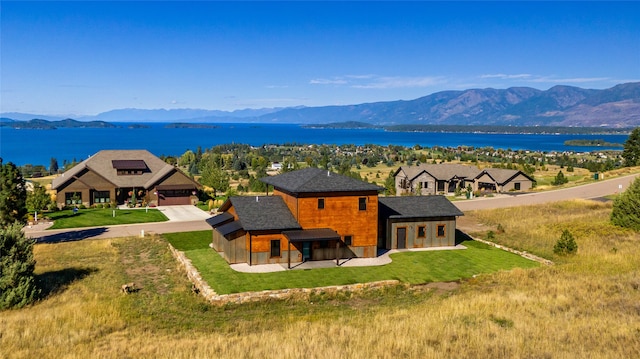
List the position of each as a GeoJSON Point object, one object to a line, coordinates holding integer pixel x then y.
{"type": "Point", "coordinates": [215, 298]}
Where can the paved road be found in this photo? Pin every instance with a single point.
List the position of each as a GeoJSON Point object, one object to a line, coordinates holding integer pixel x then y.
{"type": "Point", "coordinates": [588, 191]}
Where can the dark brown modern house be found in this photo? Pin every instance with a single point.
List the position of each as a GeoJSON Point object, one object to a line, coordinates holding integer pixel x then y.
{"type": "Point", "coordinates": [315, 214]}
{"type": "Point", "coordinates": [124, 176]}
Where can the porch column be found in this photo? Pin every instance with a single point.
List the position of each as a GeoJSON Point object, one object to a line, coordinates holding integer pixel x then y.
{"type": "Point", "coordinates": [288, 254]}
{"type": "Point", "coordinates": [337, 253]}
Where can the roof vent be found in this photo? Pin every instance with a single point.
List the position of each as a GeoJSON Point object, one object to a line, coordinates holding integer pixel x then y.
{"type": "Point", "coordinates": [257, 199]}
{"type": "Point", "coordinates": [328, 173]}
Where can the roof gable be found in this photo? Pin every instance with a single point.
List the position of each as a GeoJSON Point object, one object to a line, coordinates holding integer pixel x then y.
{"type": "Point", "coordinates": [442, 172]}
{"type": "Point", "coordinates": [502, 175]}
{"type": "Point", "coordinates": [315, 180]}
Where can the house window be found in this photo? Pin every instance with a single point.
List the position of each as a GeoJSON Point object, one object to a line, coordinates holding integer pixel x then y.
{"type": "Point", "coordinates": [348, 240]}
{"type": "Point", "coordinates": [422, 232]}
{"type": "Point", "coordinates": [101, 197]}
{"type": "Point", "coordinates": [362, 203]}
{"type": "Point", "coordinates": [516, 186]}
{"type": "Point", "coordinates": [71, 198]}
{"type": "Point", "coordinates": [425, 185]}
{"type": "Point", "coordinates": [275, 248]}
{"type": "Point", "coordinates": [320, 203]}
{"type": "Point", "coordinates": [441, 230]}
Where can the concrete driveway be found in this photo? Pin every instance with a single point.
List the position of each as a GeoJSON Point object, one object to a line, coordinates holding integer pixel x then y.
{"type": "Point", "coordinates": [184, 213]}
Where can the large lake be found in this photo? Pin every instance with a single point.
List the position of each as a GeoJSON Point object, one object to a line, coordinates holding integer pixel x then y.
{"type": "Point", "coordinates": [38, 146]}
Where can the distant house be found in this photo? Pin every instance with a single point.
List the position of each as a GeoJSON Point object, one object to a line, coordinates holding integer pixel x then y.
{"type": "Point", "coordinates": [315, 214]}
{"type": "Point", "coordinates": [503, 180]}
{"type": "Point", "coordinates": [429, 179]}
{"type": "Point", "coordinates": [124, 176]}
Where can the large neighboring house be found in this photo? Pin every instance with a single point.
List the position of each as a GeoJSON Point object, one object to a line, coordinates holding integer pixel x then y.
{"type": "Point", "coordinates": [315, 214]}
{"type": "Point", "coordinates": [124, 176]}
{"type": "Point", "coordinates": [429, 179]}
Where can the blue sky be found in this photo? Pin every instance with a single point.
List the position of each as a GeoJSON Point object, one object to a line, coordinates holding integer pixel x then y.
{"type": "Point", "coordinates": [83, 58]}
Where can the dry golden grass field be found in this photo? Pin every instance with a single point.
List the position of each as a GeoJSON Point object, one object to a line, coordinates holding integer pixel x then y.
{"type": "Point", "coordinates": [585, 306]}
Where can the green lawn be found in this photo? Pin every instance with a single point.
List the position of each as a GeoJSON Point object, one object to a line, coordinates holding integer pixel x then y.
{"type": "Point", "coordinates": [103, 217]}
{"type": "Point", "coordinates": [407, 267]}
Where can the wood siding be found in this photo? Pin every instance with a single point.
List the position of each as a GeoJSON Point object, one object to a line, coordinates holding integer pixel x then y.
{"type": "Point", "coordinates": [430, 239]}
{"type": "Point", "coordinates": [340, 213]}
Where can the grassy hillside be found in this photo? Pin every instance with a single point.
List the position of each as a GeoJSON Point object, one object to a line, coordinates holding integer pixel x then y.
{"type": "Point", "coordinates": [584, 306]}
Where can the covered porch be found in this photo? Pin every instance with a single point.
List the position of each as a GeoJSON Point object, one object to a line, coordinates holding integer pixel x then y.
{"type": "Point", "coordinates": [318, 244]}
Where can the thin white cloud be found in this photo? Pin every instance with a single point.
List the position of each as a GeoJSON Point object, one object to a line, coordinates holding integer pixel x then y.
{"type": "Point", "coordinates": [335, 81]}
{"type": "Point", "coordinates": [505, 76]}
{"type": "Point", "coordinates": [571, 80]}
{"type": "Point", "coordinates": [543, 79]}
{"type": "Point", "coordinates": [400, 82]}
{"type": "Point", "coordinates": [380, 82]}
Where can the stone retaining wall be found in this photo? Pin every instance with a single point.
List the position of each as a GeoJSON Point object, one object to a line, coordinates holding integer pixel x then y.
{"type": "Point", "coordinates": [206, 291]}
{"type": "Point", "coordinates": [521, 254]}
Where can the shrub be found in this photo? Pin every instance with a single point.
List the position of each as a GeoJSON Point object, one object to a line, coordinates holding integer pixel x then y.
{"type": "Point", "coordinates": [625, 211]}
{"type": "Point", "coordinates": [560, 179]}
{"type": "Point", "coordinates": [566, 244]}
{"type": "Point", "coordinates": [17, 282]}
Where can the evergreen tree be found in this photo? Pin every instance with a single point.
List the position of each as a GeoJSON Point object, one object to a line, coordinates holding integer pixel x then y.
{"type": "Point", "coordinates": [566, 244]}
{"type": "Point", "coordinates": [17, 282]}
{"type": "Point", "coordinates": [13, 195]}
{"type": "Point", "coordinates": [53, 166]}
{"type": "Point", "coordinates": [560, 179]}
{"type": "Point", "coordinates": [631, 152]}
{"type": "Point", "coordinates": [390, 185]}
{"type": "Point", "coordinates": [626, 207]}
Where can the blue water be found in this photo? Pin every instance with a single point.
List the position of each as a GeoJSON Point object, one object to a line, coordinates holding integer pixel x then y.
{"type": "Point", "coordinates": [38, 146]}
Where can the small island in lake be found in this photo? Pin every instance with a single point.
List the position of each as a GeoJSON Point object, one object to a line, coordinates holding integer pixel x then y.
{"type": "Point", "coordinates": [348, 125]}
{"type": "Point", "coordinates": [39, 124]}
{"type": "Point", "coordinates": [592, 143]}
{"type": "Point", "coordinates": [138, 125]}
{"type": "Point", "coordinates": [190, 125]}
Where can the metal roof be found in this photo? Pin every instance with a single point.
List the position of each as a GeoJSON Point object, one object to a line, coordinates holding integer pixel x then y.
{"type": "Point", "coordinates": [229, 228]}
{"type": "Point", "coordinates": [219, 219]}
{"type": "Point", "coordinates": [129, 164]}
{"type": "Point", "coordinates": [316, 234]}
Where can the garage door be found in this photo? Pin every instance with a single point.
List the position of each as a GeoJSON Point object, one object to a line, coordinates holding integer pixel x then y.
{"type": "Point", "coordinates": [173, 197]}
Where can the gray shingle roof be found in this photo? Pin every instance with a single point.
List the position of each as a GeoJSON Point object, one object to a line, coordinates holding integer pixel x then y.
{"type": "Point", "coordinates": [315, 180]}
{"type": "Point", "coordinates": [443, 171]}
{"type": "Point", "coordinates": [419, 207]}
{"type": "Point", "coordinates": [265, 213]}
{"type": "Point", "coordinates": [501, 175]}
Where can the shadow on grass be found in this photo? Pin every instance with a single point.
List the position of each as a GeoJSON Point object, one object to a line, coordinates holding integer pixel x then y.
{"type": "Point", "coordinates": [71, 236]}
{"type": "Point", "coordinates": [462, 237]}
{"type": "Point", "coordinates": [54, 282]}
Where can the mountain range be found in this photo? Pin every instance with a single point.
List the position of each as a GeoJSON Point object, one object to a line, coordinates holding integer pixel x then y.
{"type": "Point", "coordinates": [568, 106]}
